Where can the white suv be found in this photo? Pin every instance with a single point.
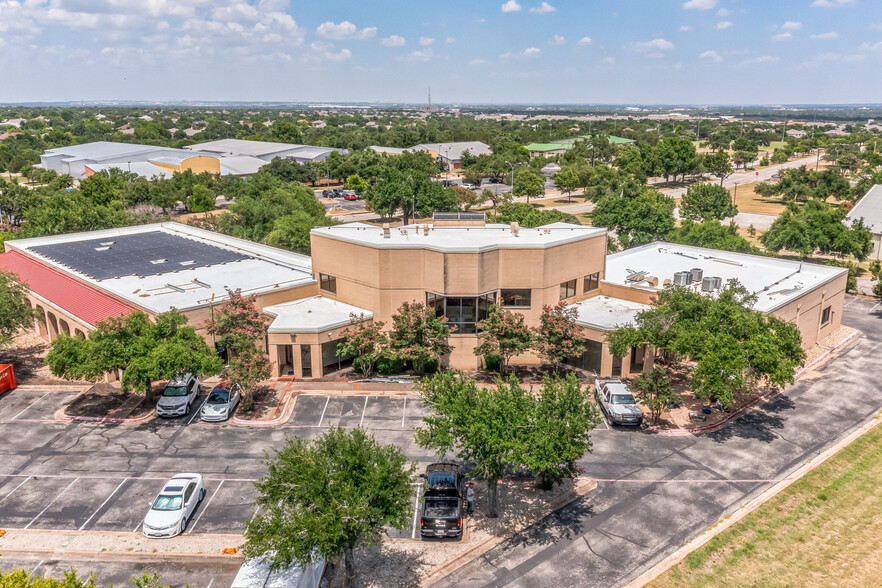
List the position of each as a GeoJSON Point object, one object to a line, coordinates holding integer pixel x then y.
{"type": "Point", "coordinates": [179, 395]}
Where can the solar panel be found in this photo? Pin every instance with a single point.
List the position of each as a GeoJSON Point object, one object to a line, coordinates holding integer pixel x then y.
{"type": "Point", "coordinates": [139, 254]}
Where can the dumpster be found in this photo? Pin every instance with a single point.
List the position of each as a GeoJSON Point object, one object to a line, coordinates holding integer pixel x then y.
{"type": "Point", "coordinates": [7, 378]}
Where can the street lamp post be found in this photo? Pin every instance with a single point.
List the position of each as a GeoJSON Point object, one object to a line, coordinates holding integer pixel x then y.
{"type": "Point", "coordinates": [512, 178]}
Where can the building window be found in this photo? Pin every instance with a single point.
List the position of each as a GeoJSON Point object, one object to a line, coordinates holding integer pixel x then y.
{"type": "Point", "coordinates": [825, 315]}
{"type": "Point", "coordinates": [592, 282]}
{"type": "Point", "coordinates": [463, 312]}
{"type": "Point", "coordinates": [516, 298]}
{"type": "Point", "coordinates": [327, 283]}
{"type": "Point", "coordinates": [568, 289]}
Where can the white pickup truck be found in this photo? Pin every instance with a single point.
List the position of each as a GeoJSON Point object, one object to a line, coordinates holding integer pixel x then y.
{"type": "Point", "coordinates": [617, 402]}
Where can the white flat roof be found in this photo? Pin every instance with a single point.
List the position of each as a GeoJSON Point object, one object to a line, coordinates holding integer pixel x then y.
{"type": "Point", "coordinates": [266, 269]}
{"type": "Point", "coordinates": [99, 149]}
{"type": "Point", "coordinates": [312, 315]}
{"type": "Point", "coordinates": [243, 147]}
{"type": "Point", "coordinates": [775, 281]}
{"type": "Point", "coordinates": [869, 208]}
{"type": "Point", "coordinates": [145, 169]}
{"type": "Point", "coordinates": [605, 314]}
{"type": "Point", "coordinates": [460, 239]}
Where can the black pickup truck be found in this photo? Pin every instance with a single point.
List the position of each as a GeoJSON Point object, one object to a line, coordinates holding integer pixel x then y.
{"type": "Point", "coordinates": [442, 513]}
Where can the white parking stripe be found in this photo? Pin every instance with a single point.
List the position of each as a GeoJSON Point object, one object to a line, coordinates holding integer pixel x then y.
{"type": "Point", "coordinates": [14, 489]}
{"type": "Point", "coordinates": [195, 414]}
{"type": "Point", "coordinates": [36, 568]}
{"type": "Point", "coordinates": [416, 508]}
{"type": "Point", "coordinates": [135, 530]}
{"type": "Point", "coordinates": [403, 412]}
{"type": "Point", "coordinates": [874, 308]}
{"type": "Point", "coordinates": [364, 410]}
{"type": "Point", "coordinates": [323, 411]}
{"type": "Point", "coordinates": [199, 518]}
{"type": "Point", "coordinates": [849, 302]}
{"type": "Point", "coordinates": [30, 405]}
{"type": "Point", "coordinates": [34, 520]}
{"type": "Point", "coordinates": [102, 504]}
{"type": "Point", "coordinates": [210, 583]}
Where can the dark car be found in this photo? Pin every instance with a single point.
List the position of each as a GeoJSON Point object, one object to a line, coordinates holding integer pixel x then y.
{"type": "Point", "coordinates": [447, 183]}
{"type": "Point", "coordinates": [495, 180]}
{"type": "Point", "coordinates": [328, 193]}
{"type": "Point", "coordinates": [442, 512]}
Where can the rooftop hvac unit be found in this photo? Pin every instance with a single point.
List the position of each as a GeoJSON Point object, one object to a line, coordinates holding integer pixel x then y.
{"type": "Point", "coordinates": [707, 284]}
{"type": "Point", "coordinates": [682, 278]}
{"type": "Point", "coordinates": [718, 282]}
{"type": "Point", "coordinates": [697, 273]}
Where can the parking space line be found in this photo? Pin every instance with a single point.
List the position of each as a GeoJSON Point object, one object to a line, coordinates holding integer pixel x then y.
{"type": "Point", "coordinates": [199, 518]}
{"type": "Point", "coordinates": [874, 307]}
{"type": "Point", "coordinates": [210, 583]}
{"type": "Point", "coordinates": [31, 404]}
{"type": "Point", "coordinates": [36, 568]}
{"type": "Point", "coordinates": [34, 520]}
{"type": "Point", "coordinates": [364, 410]}
{"type": "Point", "coordinates": [403, 412]}
{"type": "Point", "coordinates": [416, 508]}
{"type": "Point", "coordinates": [102, 504]}
{"type": "Point", "coordinates": [323, 411]}
{"type": "Point", "coordinates": [193, 416]}
{"type": "Point", "coordinates": [849, 302]}
{"type": "Point", "coordinates": [14, 489]}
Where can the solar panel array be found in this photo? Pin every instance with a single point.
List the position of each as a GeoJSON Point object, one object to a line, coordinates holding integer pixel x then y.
{"type": "Point", "coordinates": [139, 254]}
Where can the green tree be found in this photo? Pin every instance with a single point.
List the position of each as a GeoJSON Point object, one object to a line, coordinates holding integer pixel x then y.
{"type": "Point", "coordinates": [236, 324]}
{"type": "Point", "coordinates": [418, 335]}
{"type": "Point", "coordinates": [483, 426]}
{"type": "Point", "coordinates": [528, 217]}
{"type": "Point", "coordinates": [503, 333]}
{"type": "Point", "coordinates": [326, 497]}
{"type": "Point", "coordinates": [567, 181]}
{"type": "Point", "coordinates": [718, 164]}
{"type": "Point", "coordinates": [818, 226]}
{"type": "Point", "coordinates": [713, 235]}
{"type": "Point", "coordinates": [654, 390]}
{"type": "Point", "coordinates": [201, 199]}
{"type": "Point", "coordinates": [292, 231]}
{"type": "Point", "coordinates": [466, 198]}
{"type": "Point", "coordinates": [144, 351]}
{"type": "Point", "coordinates": [646, 217]}
{"type": "Point", "coordinates": [357, 183]}
{"type": "Point", "coordinates": [495, 198]}
{"type": "Point", "coordinates": [15, 311]}
{"type": "Point", "coordinates": [364, 340]}
{"type": "Point", "coordinates": [528, 183]}
{"type": "Point", "coordinates": [248, 368]}
{"type": "Point", "coordinates": [558, 336]}
{"type": "Point", "coordinates": [733, 345]}
{"type": "Point", "coordinates": [704, 202]}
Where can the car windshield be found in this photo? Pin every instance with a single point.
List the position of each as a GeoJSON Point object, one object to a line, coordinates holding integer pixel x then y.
{"type": "Point", "coordinates": [165, 502]}
{"type": "Point", "coordinates": [622, 399]}
{"type": "Point", "coordinates": [442, 481]}
{"type": "Point", "coordinates": [440, 507]}
{"type": "Point", "coordinates": [219, 396]}
{"type": "Point", "coordinates": [175, 391]}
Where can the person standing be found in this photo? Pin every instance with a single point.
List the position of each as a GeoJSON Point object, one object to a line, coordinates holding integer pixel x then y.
{"type": "Point", "coordinates": [470, 496]}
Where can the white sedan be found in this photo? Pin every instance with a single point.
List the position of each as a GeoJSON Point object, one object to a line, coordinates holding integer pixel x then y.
{"type": "Point", "coordinates": [171, 511]}
{"type": "Point", "coordinates": [221, 403]}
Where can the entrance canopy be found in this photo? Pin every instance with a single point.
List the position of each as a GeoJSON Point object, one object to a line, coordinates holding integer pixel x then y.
{"type": "Point", "coordinates": [316, 314]}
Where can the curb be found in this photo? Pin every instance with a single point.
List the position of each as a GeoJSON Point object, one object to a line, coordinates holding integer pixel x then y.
{"type": "Point", "coordinates": [289, 399]}
{"type": "Point", "coordinates": [728, 520]}
{"type": "Point", "coordinates": [72, 387]}
{"type": "Point", "coordinates": [753, 403]}
{"type": "Point", "coordinates": [448, 567]}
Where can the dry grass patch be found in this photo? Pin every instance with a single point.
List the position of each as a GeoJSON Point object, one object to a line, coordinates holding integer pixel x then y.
{"type": "Point", "coordinates": [823, 530]}
{"type": "Point", "coordinates": [747, 200]}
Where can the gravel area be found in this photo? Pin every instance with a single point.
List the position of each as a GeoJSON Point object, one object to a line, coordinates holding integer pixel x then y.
{"type": "Point", "coordinates": [403, 562]}
{"type": "Point", "coordinates": [26, 354]}
{"type": "Point", "coordinates": [107, 542]}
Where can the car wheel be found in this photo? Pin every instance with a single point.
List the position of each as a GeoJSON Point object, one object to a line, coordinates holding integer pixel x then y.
{"type": "Point", "coordinates": [184, 525]}
{"type": "Point", "coordinates": [202, 495]}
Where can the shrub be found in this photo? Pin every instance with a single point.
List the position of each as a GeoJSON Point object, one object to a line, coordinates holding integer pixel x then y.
{"type": "Point", "coordinates": [492, 363]}
{"type": "Point", "coordinates": [389, 365]}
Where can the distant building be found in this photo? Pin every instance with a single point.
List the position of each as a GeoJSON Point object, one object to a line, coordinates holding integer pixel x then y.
{"type": "Point", "coordinates": [869, 208]}
{"type": "Point", "coordinates": [561, 146]}
{"type": "Point", "coordinates": [387, 150]}
{"type": "Point", "coordinates": [795, 133]}
{"type": "Point", "coordinates": [450, 154]}
{"type": "Point", "coordinates": [265, 150]}
{"type": "Point", "coordinates": [13, 122]}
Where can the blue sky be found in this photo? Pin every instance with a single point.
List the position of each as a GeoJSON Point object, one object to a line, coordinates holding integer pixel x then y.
{"type": "Point", "coordinates": [553, 51]}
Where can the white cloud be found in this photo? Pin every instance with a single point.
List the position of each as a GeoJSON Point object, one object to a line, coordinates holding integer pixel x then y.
{"type": "Point", "coordinates": [426, 41]}
{"type": "Point", "coordinates": [344, 31]}
{"type": "Point", "coordinates": [685, 29]}
{"type": "Point", "coordinates": [543, 8]}
{"type": "Point", "coordinates": [832, 3]}
{"type": "Point", "coordinates": [477, 61]}
{"type": "Point", "coordinates": [585, 41]}
{"type": "Point", "coordinates": [782, 37]}
{"type": "Point", "coordinates": [869, 47]}
{"type": "Point", "coordinates": [450, 40]}
{"type": "Point", "coordinates": [609, 61]}
{"type": "Point", "coordinates": [700, 4]}
{"type": "Point", "coordinates": [424, 55]}
{"type": "Point", "coordinates": [826, 36]}
{"type": "Point", "coordinates": [558, 40]}
{"type": "Point", "coordinates": [653, 46]}
{"type": "Point", "coordinates": [758, 60]}
{"type": "Point", "coordinates": [712, 55]}
{"type": "Point", "coordinates": [876, 26]}
{"type": "Point", "coordinates": [791, 26]}
{"type": "Point", "coordinates": [724, 12]}
{"type": "Point", "coordinates": [393, 41]}
{"type": "Point", "coordinates": [511, 6]}
{"type": "Point", "coordinates": [724, 24]}
{"type": "Point", "coordinates": [528, 52]}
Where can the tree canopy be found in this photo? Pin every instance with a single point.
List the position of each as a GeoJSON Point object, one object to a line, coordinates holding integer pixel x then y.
{"type": "Point", "coordinates": [640, 219]}
{"type": "Point", "coordinates": [15, 310]}
{"type": "Point", "coordinates": [818, 226]}
{"type": "Point", "coordinates": [703, 202]}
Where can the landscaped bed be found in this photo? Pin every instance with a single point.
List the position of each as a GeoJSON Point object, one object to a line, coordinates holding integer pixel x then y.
{"type": "Point", "coordinates": [266, 402]}
{"type": "Point", "coordinates": [105, 400]}
{"type": "Point", "coordinates": [823, 530]}
{"type": "Point", "coordinates": [405, 562]}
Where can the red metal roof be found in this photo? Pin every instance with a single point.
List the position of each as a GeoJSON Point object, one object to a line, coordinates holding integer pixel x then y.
{"type": "Point", "coordinates": [81, 300]}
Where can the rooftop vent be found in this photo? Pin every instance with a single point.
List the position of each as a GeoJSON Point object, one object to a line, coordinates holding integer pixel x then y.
{"type": "Point", "coordinates": [158, 261]}
{"type": "Point", "coordinates": [386, 232]}
{"type": "Point", "coordinates": [107, 243]}
{"type": "Point", "coordinates": [515, 229]}
{"type": "Point", "coordinates": [697, 274]}
{"type": "Point", "coordinates": [102, 248]}
{"type": "Point", "coordinates": [707, 284]}
{"type": "Point", "coordinates": [426, 229]}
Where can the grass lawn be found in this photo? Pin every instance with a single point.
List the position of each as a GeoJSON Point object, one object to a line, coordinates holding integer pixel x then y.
{"type": "Point", "coordinates": [747, 200]}
{"type": "Point", "coordinates": [823, 530]}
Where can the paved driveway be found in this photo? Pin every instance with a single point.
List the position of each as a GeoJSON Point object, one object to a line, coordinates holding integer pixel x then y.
{"type": "Point", "coordinates": [655, 493]}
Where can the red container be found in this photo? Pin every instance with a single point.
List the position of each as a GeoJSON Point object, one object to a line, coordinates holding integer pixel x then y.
{"type": "Point", "coordinates": [7, 378]}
